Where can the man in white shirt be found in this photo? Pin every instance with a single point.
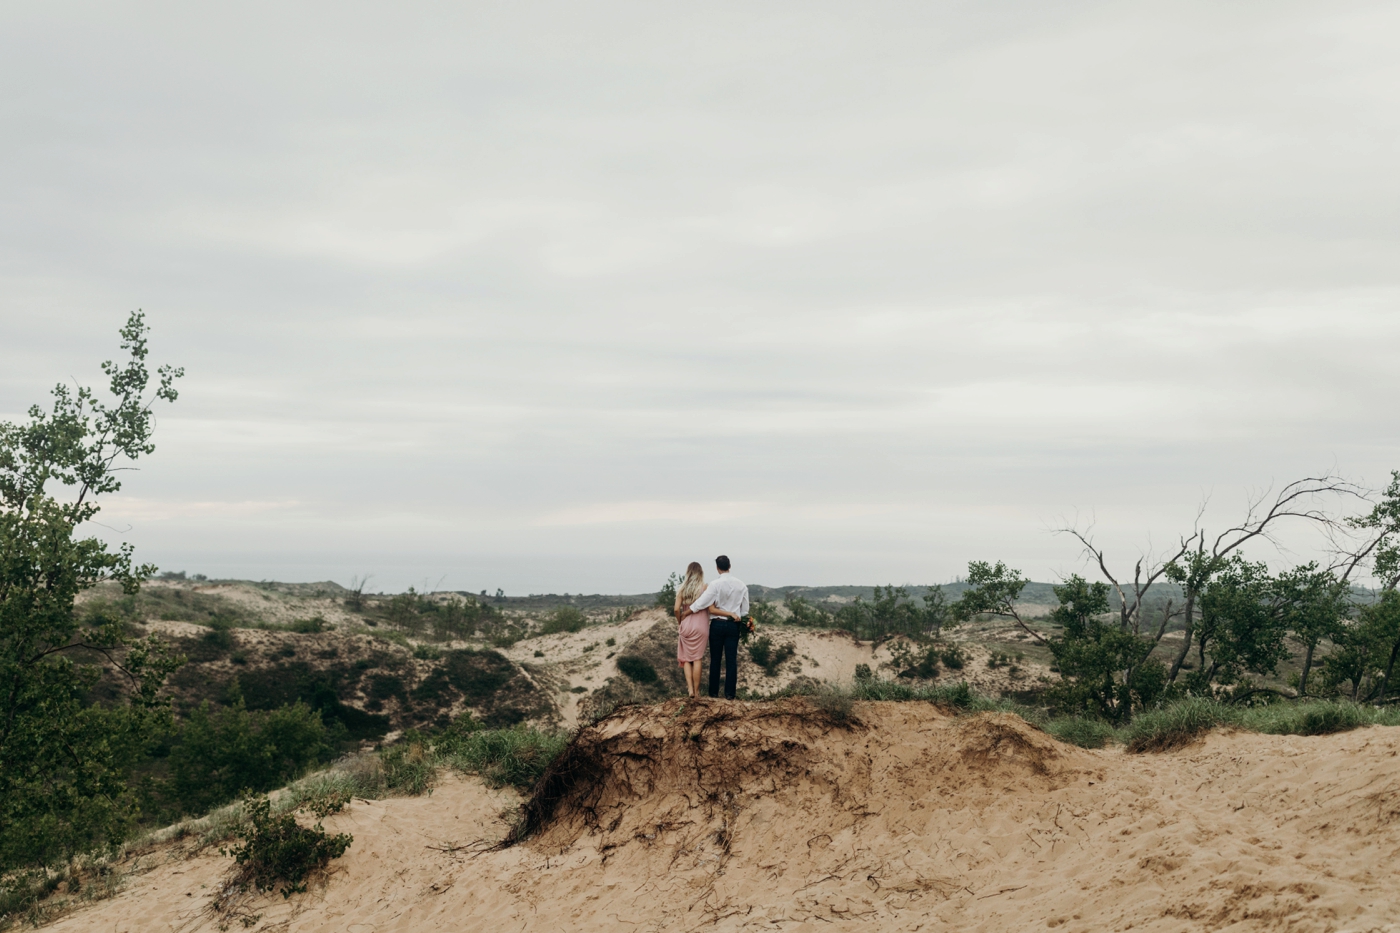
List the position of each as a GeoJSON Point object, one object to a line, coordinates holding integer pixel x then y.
{"type": "Point", "coordinates": [727, 598]}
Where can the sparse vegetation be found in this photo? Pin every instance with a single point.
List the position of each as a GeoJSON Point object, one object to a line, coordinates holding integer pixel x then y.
{"type": "Point", "coordinates": [666, 596]}
{"type": "Point", "coordinates": [770, 656]}
{"type": "Point", "coordinates": [274, 851]}
{"type": "Point", "coordinates": [564, 619]}
{"type": "Point", "coordinates": [637, 668]}
{"type": "Point", "coordinates": [219, 754]}
{"type": "Point", "coordinates": [514, 757]}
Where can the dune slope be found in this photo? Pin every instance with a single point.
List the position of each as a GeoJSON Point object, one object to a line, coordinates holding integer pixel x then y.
{"type": "Point", "coordinates": [781, 816]}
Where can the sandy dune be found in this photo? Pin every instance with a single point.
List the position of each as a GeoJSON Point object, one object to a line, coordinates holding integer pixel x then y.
{"type": "Point", "coordinates": [775, 816]}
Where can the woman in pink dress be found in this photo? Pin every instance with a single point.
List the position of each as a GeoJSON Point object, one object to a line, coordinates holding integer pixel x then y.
{"type": "Point", "coordinates": [695, 627]}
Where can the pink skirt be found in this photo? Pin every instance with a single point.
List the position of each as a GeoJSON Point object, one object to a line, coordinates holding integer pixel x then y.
{"type": "Point", "coordinates": [695, 637]}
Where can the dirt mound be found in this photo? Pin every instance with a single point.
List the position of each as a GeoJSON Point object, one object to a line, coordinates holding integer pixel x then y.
{"type": "Point", "coordinates": [900, 816]}
{"type": "Point", "coordinates": [695, 763]}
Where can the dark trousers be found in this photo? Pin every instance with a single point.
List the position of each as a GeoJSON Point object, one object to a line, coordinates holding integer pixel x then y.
{"type": "Point", "coordinates": [724, 637]}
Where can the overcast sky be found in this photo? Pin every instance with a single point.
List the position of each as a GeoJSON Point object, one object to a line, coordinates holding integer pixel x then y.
{"type": "Point", "coordinates": [558, 297]}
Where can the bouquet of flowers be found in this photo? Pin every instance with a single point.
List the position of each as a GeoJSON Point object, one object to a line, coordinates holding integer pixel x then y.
{"type": "Point", "coordinates": [746, 627]}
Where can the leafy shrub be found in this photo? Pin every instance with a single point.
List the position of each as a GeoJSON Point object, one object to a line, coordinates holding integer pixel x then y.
{"type": "Point", "coordinates": [893, 612]}
{"type": "Point", "coordinates": [277, 851]}
{"type": "Point", "coordinates": [564, 619]}
{"type": "Point", "coordinates": [638, 669]}
{"type": "Point", "coordinates": [806, 614]}
{"type": "Point", "coordinates": [1082, 731]}
{"type": "Point", "coordinates": [610, 642]}
{"type": "Point", "coordinates": [912, 661]}
{"type": "Point", "coordinates": [769, 656]}
{"type": "Point", "coordinates": [312, 626]}
{"type": "Point", "coordinates": [426, 652]}
{"type": "Point", "coordinates": [952, 658]}
{"type": "Point", "coordinates": [764, 613]}
{"type": "Point", "coordinates": [477, 674]}
{"type": "Point", "coordinates": [385, 686]}
{"type": "Point", "coordinates": [220, 754]}
{"type": "Point", "coordinates": [863, 672]}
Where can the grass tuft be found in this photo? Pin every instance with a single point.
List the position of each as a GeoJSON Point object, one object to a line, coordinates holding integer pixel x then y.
{"type": "Point", "coordinates": [504, 757]}
{"type": "Point", "coordinates": [1082, 731]}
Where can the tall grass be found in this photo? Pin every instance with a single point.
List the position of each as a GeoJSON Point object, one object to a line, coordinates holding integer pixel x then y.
{"type": "Point", "coordinates": [1181, 722]}
{"type": "Point", "coordinates": [1171, 726]}
{"type": "Point", "coordinates": [505, 757]}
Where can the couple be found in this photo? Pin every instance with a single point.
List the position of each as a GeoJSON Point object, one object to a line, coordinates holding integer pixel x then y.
{"type": "Point", "coordinates": [710, 613]}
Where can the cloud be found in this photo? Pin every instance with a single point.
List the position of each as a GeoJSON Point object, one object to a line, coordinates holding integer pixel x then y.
{"type": "Point", "coordinates": [865, 293]}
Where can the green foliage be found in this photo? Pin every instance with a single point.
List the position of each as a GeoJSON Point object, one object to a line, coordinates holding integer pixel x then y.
{"type": "Point", "coordinates": [276, 851]}
{"type": "Point", "coordinates": [63, 762]}
{"type": "Point", "coordinates": [221, 754]}
{"type": "Point", "coordinates": [1384, 521]}
{"type": "Point", "coordinates": [1086, 732]}
{"type": "Point", "coordinates": [477, 674]}
{"type": "Point", "coordinates": [515, 757]}
{"type": "Point", "coordinates": [1313, 605]}
{"type": "Point", "coordinates": [1178, 724]}
{"type": "Point", "coordinates": [806, 614]}
{"type": "Point", "coordinates": [564, 619]}
{"type": "Point", "coordinates": [1105, 669]}
{"type": "Point", "coordinates": [764, 613]}
{"type": "Point", "coordinates": [992, 590]}
{"type": "Point", "coordinates": [891, 612]}
{"type": "Point", "coordinates": [445, 618]}
{"type": "Point", "coordinates": [1315, 717]}
{"type": "Point", "coordinates": [1362, 662]}
{"type": "Point", "coordinates": [770, 656]}
{"type": "Point", "coordinates": [1181, 722]}
{"type": "Point", "coordinates": [427, 652]}
{"type": "Point", "coordinates": [863, 673]}
{"type": "Point", "coordinates": [637, 669]}
{"type": "Point", "coordinates": [312, 626]}
{"type": "Point", "coordinates": [666, 596]}
{"type": "Point", "coordinates": [915, 661]}
{"type": "Point", "coordinates": [1242, 628]}
{"type": "Point", "coordinates": [407, 768]}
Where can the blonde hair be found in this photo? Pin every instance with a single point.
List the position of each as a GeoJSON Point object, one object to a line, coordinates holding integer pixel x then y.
{"type": "Point", "coordinates": [693, 586]}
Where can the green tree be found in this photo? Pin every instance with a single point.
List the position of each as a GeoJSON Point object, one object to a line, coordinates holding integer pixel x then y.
{"type": "Point", "coordinates": [992, 590]}
{"type": "Point", "coordinates": [63, 760]}
{"type": "Point", "coordinates": [666, 596]}
{"type": "Point", "coordinates": [1104, 667]}
{"type": "Point", "coordinates": [892, 612]}
{"type": "Point", "coordinates": [1364, 652]}
{"type": "Point", "coordinates": [1384, 546]}
{"type": "Point", "coordinates": [1313, 605]}
{"type": "Point", "coordinates": [1241, 629]}
{"type": "Point", "coordinates": [805, 613]}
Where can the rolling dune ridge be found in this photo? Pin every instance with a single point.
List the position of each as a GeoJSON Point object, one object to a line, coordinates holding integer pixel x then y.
{"type": "Point", "coordinates": [897, 816]}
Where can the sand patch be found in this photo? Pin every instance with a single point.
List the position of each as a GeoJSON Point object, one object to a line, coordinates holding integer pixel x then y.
{"type": "Point", "coordinates": [775, 816]}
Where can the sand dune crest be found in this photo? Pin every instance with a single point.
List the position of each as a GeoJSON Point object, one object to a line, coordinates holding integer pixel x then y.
{"type": "Point", "coordinates": [781, 816]}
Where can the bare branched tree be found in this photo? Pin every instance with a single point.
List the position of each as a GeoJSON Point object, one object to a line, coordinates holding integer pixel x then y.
{"type": "Point", "coordinates": [1198, 557]}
